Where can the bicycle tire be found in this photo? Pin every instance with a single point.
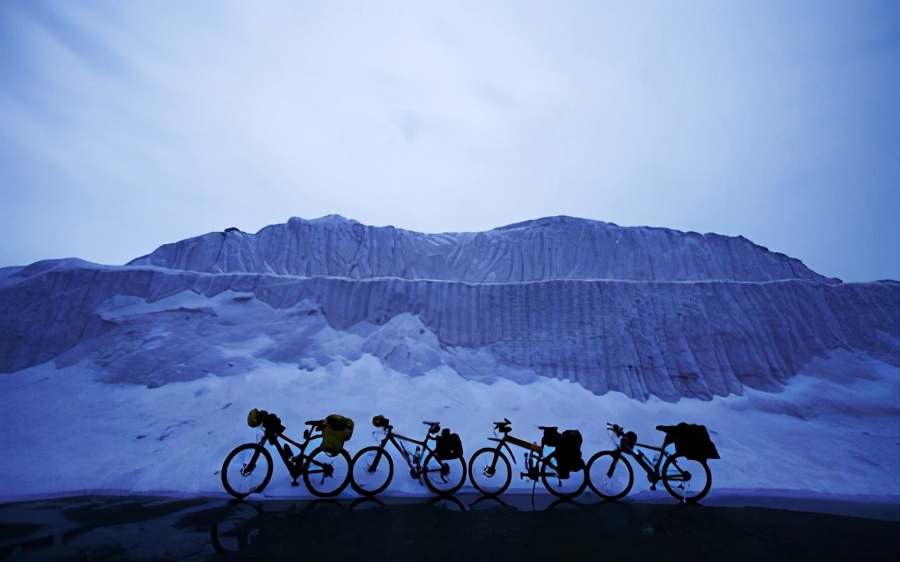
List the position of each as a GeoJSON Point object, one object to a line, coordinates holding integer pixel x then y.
{"type": "Point", "coordinates": [326, 482]}
{"type": "Point", "coordinates": [447, 479]}
{"type": "Point", "coordinates": [616, 486]}
{"type": "Point", "coordinates": [490, 482]}
{"type": "Point", "coordinates": [689, 490]}
{"type": "Point", "coordinates": [562, 487]}
{"type": "Point", "coordinates": [237, 480]}
{"type": "Point", "coordinates": [366, 481]}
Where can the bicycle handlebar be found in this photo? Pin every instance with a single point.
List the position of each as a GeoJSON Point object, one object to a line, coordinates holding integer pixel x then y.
{"type": "Point", "coordinates": [617, 429]}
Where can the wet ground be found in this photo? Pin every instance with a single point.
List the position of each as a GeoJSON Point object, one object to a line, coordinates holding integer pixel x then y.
{"type": "Point", "coordinates": [517, 527]}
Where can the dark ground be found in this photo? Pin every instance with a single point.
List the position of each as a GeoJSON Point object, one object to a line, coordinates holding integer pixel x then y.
{"type": "Point", "coordinates": [464, 528]}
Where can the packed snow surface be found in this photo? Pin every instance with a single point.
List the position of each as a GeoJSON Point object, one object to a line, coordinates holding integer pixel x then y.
{"type": "Point", "coordinates": [833, 429]}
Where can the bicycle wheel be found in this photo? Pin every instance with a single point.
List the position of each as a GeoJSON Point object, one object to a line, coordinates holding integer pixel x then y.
{"type": "Point", "coordinates": [444, 477]}
{"type": "Point", "coordinates": [686, 480]}
{"type": "Point", "coordinates": [371, 471]}
{"type": "Point", "coordinates": [326, 475]}
{"type": "Point", "coordinates": [247, 469]}
{"type": "Point", "coordinates": [610, 476]}
{"type": "Point", "coordinates": [490, 471]}
{"type": "Point", "coordinates": [558, 482]}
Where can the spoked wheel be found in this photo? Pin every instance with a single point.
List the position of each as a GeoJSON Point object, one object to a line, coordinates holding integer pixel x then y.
{"type": "Point", "coordinates": [247, 470]}
{"type": "Point", "coordinates": [686, 480]}
{"type": "Point", "coordinates": [561, 483]}
{"type": "Point", "coordinates": [371, 471]}
{"type": "Point", "coordinates": [444, 477]}
{"type": "Point", "coordinates": [490, 471]}
{"type": "Point", "coordinates": [610, 475]}
{"type": "Point", "coordinates": [327, 475]}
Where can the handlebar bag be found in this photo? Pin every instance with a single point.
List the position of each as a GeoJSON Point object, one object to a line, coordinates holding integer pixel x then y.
{"type": "Point", "coordinates": [270, 422]}
{"type": "Point", "coordinates": [338, 429]}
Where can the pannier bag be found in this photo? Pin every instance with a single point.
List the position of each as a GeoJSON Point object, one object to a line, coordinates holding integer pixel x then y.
{"type": "Point", "coordinates": [691, 440]}
{"type": "Point", "coordinates": [568, 451]}
{"type": "Point", "coordinates": [448, 446]}
{"type": "Point", "coordinates": [337, 430]}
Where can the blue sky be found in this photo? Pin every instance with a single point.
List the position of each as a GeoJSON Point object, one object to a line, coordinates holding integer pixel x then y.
{"type": "Point", "coordinates": [127, 125]}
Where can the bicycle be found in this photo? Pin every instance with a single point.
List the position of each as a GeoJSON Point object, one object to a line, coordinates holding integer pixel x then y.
{"type": "Point", "coordinates": [611, 476]}
{"type": "Point", "coordinates": [248, 468]}
{"type": "Point", "coordinates": [372, 467]}
{"type": "Point", "coordinates": [491, 472]}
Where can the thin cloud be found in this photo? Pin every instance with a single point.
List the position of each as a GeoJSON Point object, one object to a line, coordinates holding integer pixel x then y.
{"type": "Point", "coordinates": [158, 121]}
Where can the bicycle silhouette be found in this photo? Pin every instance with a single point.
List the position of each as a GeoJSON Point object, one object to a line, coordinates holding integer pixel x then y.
{"type": "Point", "coordinates": [611, 476]}
{"type": "Point", "coordinates": [373, 468]}
{"type": "Point", "coordinates": [491, 472]}
{"type": "Point", "coordinates": [248, 468]}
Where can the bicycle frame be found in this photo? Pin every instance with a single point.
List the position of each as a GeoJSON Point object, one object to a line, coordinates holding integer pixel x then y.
{"type": "Point", "coordinates": [611, 475]}
{"type": "Point", "coordinates": [397, 439]}
{"type": "Point", "coordinates": [492, 471]}
{"type": "Point", "coordinates": [536, 451]}
{"type": "Point", "coordinates": [299, 463]}
{"type": "Point", "coordinates": [650, 467]}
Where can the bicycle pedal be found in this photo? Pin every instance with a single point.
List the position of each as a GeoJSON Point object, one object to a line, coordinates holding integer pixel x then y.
{"type": "Point", "coordinates": [295, 484]}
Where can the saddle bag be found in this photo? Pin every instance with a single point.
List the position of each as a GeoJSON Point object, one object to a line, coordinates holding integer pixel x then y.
{"type": "Point", "coordinates": [691, 440]}
{"type": "Point", "coordinates": [551, 437]}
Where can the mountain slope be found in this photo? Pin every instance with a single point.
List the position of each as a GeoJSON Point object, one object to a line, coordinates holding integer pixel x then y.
{"type": "Point", "coordinates": [645, 312]}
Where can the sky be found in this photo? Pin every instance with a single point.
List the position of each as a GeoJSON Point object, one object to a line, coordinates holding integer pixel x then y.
{"type": "Point", "coordinates": [127, 125]}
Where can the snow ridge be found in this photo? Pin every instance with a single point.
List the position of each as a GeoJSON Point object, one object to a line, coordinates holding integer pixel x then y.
{"type": "Point", "coordinates": [547, 249]}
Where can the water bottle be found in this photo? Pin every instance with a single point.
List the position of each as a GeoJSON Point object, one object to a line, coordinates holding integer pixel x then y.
{"type": "Point", "coordinates": [405, 452]}
{"type": "Point", "coordinates": [639, 455]}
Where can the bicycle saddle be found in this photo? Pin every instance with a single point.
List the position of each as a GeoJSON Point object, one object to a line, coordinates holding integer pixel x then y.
{"type": "Point", "coordinates": [315, 423]}
{"type": "Point", "coordinates": [551, 428]}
